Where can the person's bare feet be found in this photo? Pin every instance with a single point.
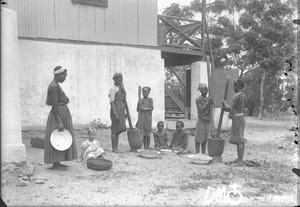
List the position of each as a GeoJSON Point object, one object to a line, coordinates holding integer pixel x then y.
{"type": "Point", "coordinates": [116, 151]}
{"type": "Point", "coordinates": [62, 165]}
{"type": "Point", "coordinates": [238, 163]}
{"type": "Point", "coordinates": [58, 166]}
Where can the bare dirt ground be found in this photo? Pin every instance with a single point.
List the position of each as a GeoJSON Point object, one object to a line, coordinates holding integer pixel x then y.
{"type": "Point", "coordinates": [169, 181]}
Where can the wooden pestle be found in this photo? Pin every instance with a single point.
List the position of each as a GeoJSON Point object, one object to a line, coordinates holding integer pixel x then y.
{"type": "Point", "coordinates": [139, 95]}
{"type": "Point", "coordinates": [222, 110]}
{"type": "Point", "coordinates": [127, 112]}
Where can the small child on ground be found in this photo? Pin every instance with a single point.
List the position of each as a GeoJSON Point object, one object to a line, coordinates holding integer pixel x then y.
{"type": "Point", "coordinates": [160, 137]}
{"type": "Point", "coordinates": [203, 104]}
{"type": "Point", "coordinates": [145, 107]}
{"type": "Point", "coordinates": [91, 147]}
{"type": "Point", "coordinates": [180, 139]}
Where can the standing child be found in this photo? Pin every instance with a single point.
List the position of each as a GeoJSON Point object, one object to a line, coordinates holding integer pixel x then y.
{"type": "Point", "coordinates": [180, 139]}
{"type": "Point", "coordinates": [203, 104]}
{"type": "Point", "coordinates": [145, 107]}
{"type": "Point", "coordinates": [238, 120]}
{"type": "Point", "coordinates": [160, 137]}
{"type": "Point", "coordinates": [91, 147]}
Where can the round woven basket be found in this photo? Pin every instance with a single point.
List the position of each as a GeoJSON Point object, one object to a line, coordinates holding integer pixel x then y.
{"type": "Point", "coordinates": [37, 142]}
{"type": "Point", "coordinates": [99, 164]}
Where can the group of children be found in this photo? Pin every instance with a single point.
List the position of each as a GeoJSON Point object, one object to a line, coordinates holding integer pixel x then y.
{"type": "Point", "coordinates": [179, 140]}
{"type": "Point", "coordinates": [204, 105]}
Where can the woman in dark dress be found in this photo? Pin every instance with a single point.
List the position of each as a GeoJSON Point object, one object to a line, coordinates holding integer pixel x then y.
{"type": "Point", "coordinates": [59, 118]}
{"type": "Point", "coordinates": [236, 110]}
{"type": "Point", "coordinates": [117, 112]}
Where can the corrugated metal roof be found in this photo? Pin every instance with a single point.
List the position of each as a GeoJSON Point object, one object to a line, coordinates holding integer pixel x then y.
{"type": "Point", "coordinates": [147, 19]}
{"type": "Point", "coordinates": [123, 21]}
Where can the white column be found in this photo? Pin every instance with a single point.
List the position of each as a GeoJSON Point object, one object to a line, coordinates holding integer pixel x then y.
{"type": "Point", "coordinates": [198, 75]}
{"type": "Point", "coordinates": [12, 148]}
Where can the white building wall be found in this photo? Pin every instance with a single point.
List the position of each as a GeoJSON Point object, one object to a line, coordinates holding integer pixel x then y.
{"type": "Point", "coordinates": [12, 148]}
{"type": "Point", "coordinates": [90, 71]}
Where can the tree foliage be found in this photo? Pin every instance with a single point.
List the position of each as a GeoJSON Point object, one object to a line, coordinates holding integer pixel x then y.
{"type": "Point", "coordinates": [254, 36]}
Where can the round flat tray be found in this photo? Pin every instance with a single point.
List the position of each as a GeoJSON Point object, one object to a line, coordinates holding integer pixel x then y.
{"type": "Point", "coordinates": [149, 154]}
{"type": "Point", "coordinates": [169, 152]}
{"type": "Point", "coordinates": [199, 159]}
{"type": "Point", "coordinates": [61, 141]}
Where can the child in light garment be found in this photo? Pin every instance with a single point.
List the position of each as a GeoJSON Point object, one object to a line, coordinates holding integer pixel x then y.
{"type": "Point", "coordinates": [91, 147]}
{"type": "Point", "coordinates": [160, 137]}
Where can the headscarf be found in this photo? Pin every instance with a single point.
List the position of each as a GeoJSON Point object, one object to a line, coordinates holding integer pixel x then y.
{"type": "Point", "coordinates": [116, 75]}
{"type": "Point", "coordinates": [146, 88]}
{"type": "Point", "coordinates": [202, 86]}
{"type": "Point", "coordinates": [59, 70]}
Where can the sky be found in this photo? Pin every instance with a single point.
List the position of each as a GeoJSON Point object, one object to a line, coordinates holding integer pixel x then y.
{"type": "Point", "coordinates": [161, 4]}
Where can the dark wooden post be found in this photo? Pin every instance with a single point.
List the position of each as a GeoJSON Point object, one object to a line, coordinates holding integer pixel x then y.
{"type": "Point", "coordinates": [203, 28]}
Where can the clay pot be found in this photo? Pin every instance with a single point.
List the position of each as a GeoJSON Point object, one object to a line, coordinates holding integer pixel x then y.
{"type": "Point", "coordinates": [215, 146]}
{"type": "Point", "coordinates": [99, 164]}
{"type": "Point", "coordinates": [135, 139]}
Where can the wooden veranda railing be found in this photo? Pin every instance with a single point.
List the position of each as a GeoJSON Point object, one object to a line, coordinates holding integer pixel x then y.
{"type": "Point", "coordinates": [179, 41]}
{"type": "Point", "coordinates": [179, 35]}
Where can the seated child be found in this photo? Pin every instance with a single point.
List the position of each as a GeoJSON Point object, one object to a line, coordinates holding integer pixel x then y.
{"type": "Point", "coordinates": [160, 137]}
{"type": "Point", "coordinates": [91, 147]}
{"type": "Point", "coordinates": [180, 139]}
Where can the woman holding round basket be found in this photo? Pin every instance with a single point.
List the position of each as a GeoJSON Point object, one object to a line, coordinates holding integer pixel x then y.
{"type": "Point", "coordinates": [59, 118]}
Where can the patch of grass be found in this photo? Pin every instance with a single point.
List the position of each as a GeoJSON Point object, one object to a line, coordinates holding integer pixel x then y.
{"type": "Point", "coordinates": [272, 172]}
{"type": "Point", "coordinates": [162, 187]}
{"type": "Point", "coordinates": [252, 194]}
{"type": "Point", "coordinates": [194, 186]}
{"type": "Point", "coordinates": [214, 178]}
{"type": "Point", "coordinates": [155, 192]}
{"type": "Point", "coordinates": [267, 178]}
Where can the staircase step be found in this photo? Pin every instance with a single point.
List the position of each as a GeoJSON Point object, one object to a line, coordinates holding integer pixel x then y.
{"type": "Point", "coordinates": [174, 112]}
{"type": "Point", "coordinates": [174, 117]}
{"type": "Point", "coordinates": [172, 107]}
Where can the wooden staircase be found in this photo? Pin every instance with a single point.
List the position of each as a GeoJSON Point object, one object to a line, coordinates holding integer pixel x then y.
{"type": "Point", "coordinates": [174, 108]}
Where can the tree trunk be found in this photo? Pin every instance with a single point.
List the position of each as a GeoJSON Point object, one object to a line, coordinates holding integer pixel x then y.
{"type": "Point", "coordinates": [261, 110]}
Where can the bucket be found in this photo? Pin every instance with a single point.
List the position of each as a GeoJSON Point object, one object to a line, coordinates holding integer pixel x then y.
{"type": "Point", "coordinates": [215, 146]}
{"type": "Point", "coordinates": [135, 139]}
